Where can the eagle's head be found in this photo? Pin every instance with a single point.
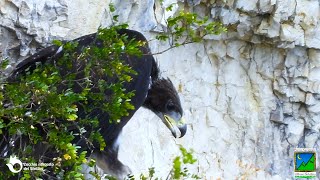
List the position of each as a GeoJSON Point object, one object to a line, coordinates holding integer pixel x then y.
{"type": "Point", "coordinates": [164, 101]}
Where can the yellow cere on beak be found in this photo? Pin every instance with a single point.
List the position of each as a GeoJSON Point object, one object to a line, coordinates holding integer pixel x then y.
{"type": "Point", "coordinates": [175, 125]}
{"type": "Point", "coordinates": [170, 121]}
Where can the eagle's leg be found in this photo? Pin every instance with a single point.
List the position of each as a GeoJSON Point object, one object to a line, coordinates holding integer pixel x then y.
{"type": "Point", "coordinates": [108, 162]}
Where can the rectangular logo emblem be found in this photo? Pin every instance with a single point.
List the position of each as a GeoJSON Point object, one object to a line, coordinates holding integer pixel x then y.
{"type": "Point", "coordinates": [305, 160]}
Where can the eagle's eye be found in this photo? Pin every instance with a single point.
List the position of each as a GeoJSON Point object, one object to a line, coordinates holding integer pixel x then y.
{"type": "Point", "coordinates": [170, 106]}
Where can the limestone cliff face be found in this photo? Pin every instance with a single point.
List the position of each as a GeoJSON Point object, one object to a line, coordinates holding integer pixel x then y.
{"type": "Point", "coordinates": [250, 96]}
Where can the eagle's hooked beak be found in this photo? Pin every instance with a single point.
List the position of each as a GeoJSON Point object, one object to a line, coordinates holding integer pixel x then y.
{"type": "Point", "coordinates": [174, 121]}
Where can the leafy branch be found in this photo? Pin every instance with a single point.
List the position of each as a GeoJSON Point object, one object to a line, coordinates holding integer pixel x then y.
{"type": "Point", "coordinates": [186, 27]}
{"type": "Point", "coordinates": [179, 168]}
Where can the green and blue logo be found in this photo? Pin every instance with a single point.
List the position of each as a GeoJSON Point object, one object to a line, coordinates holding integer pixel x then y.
{"type": "Point", "coordinates": [305, 163]}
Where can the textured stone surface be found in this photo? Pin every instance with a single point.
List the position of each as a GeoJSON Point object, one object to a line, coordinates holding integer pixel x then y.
{"type": "Point", "coordinates": [250, 96]}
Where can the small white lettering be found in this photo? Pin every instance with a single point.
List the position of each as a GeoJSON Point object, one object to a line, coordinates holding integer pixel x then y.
{"type": "Point", "coordinates": [36, 168]}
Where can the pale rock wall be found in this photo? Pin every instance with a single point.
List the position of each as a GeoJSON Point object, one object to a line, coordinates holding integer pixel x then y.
{"type": "Point", "coordinates": [250, 96]}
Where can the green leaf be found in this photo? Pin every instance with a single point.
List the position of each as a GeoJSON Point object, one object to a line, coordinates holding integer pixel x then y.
{"type": "Point", "coordinates": [115, 17]}
{"type": "Point", "coordinates": [162, 37]}
{"type": "Point", "coordinates": [4, 63]}
{"type": "Point", "coordinates": [151, 172]}
{"type": "Point", "coordinates": [57, 42]}
{"type": "Point", "coordinates": [111, 7]}
{"type": "Point", "coordinates": [176, 168]}
{"type": "Point", "coordinates": [72, 117]}
{"type": "Point", "coordinates": [169, 8]}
